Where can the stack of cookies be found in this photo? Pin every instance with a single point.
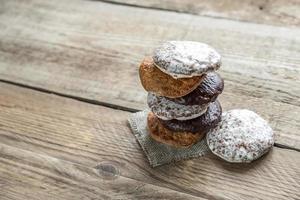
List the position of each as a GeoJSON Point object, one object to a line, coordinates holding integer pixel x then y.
{"type": "Point", "coordinates": [183, 89]}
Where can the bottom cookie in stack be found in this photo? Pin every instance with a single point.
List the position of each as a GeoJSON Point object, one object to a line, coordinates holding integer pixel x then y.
{"type": "Point", "coordinates": [184, 133]}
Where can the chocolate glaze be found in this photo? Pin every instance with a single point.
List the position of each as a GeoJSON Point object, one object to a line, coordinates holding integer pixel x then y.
{"type": "Point", "coordinates": [202, 124]}
{"type": "Point", "coordinates": [208, 90]}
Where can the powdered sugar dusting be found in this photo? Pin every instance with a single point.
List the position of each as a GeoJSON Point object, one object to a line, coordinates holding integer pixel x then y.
{"type": "Point", "coordinates": [167, 109]}
{"type": "Point", "coordinates": [186, 58]}
{"type": "Point", "coordinates": [242, 136]}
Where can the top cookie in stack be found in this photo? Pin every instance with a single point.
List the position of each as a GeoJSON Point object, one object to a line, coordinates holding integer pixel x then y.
{"type": "Point", "coordinates": [183, 87]}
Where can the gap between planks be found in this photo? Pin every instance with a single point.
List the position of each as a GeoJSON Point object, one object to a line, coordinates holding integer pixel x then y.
{"type": "Point", "coordinates": [169, 10]}
{"type": "Point", "coordinates": [99, 103]}
{"type": "Point", "coordinates": [86, 100]}
{"type": "Point", "coordinates": [272, 16]}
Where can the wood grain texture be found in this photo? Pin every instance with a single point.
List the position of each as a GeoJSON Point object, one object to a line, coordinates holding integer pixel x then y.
{"type": "Point", "coordinates": [275, 12]}
{"type": "Point", "coordinates": [70, 138]}
{"type": "Point", "coordinates": [91, 50]}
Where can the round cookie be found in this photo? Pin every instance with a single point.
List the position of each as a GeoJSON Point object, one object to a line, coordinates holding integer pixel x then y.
{"type": "Point", "coordinates": [162, 84]}
{"type": "Point", "coordinates": [242, 136]}
{"type": "Point", "coordinates": [209, 120]}
{"type": "Point", "coordinates": [208, 91]}
{"type": "Point", "coordinates": [186, 58]}
{"type": "Point", "coordinates": [166, 109]}
{"type": "Point", "coordinates": [177, 139]}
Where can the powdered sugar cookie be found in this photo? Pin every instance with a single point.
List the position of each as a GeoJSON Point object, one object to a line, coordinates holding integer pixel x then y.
{"type": "Point", "coordinates": [166, 109]}
{"type": "Point", "coordinates": [186, 58]}
{"type": "Point", "coordinates": [242, 136]}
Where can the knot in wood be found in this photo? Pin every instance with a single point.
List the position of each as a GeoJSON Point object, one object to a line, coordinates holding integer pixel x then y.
{"type": "Point", "coordinates": [108, 170]}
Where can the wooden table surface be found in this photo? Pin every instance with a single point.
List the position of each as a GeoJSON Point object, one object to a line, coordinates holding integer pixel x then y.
{"type": "Point", "coordinates": [69, 81]}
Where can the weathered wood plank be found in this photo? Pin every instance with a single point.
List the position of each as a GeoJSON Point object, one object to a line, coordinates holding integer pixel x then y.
{"type": "Point", "coordinates": [29, 175]}
{"type": "Point", "coordinates": [92, 49]}
{"type": "Point", "coordinates": [275, 12]}
{"type": "Point", "coordinates": [86, 135]}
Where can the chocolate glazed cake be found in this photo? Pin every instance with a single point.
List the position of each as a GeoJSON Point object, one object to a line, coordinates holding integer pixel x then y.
{"type": "Point", "coordinates": [183, 89]}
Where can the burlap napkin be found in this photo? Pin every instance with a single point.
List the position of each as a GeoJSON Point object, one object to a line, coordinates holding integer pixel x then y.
{"type": "Point", "coordinates": [158, 153]}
